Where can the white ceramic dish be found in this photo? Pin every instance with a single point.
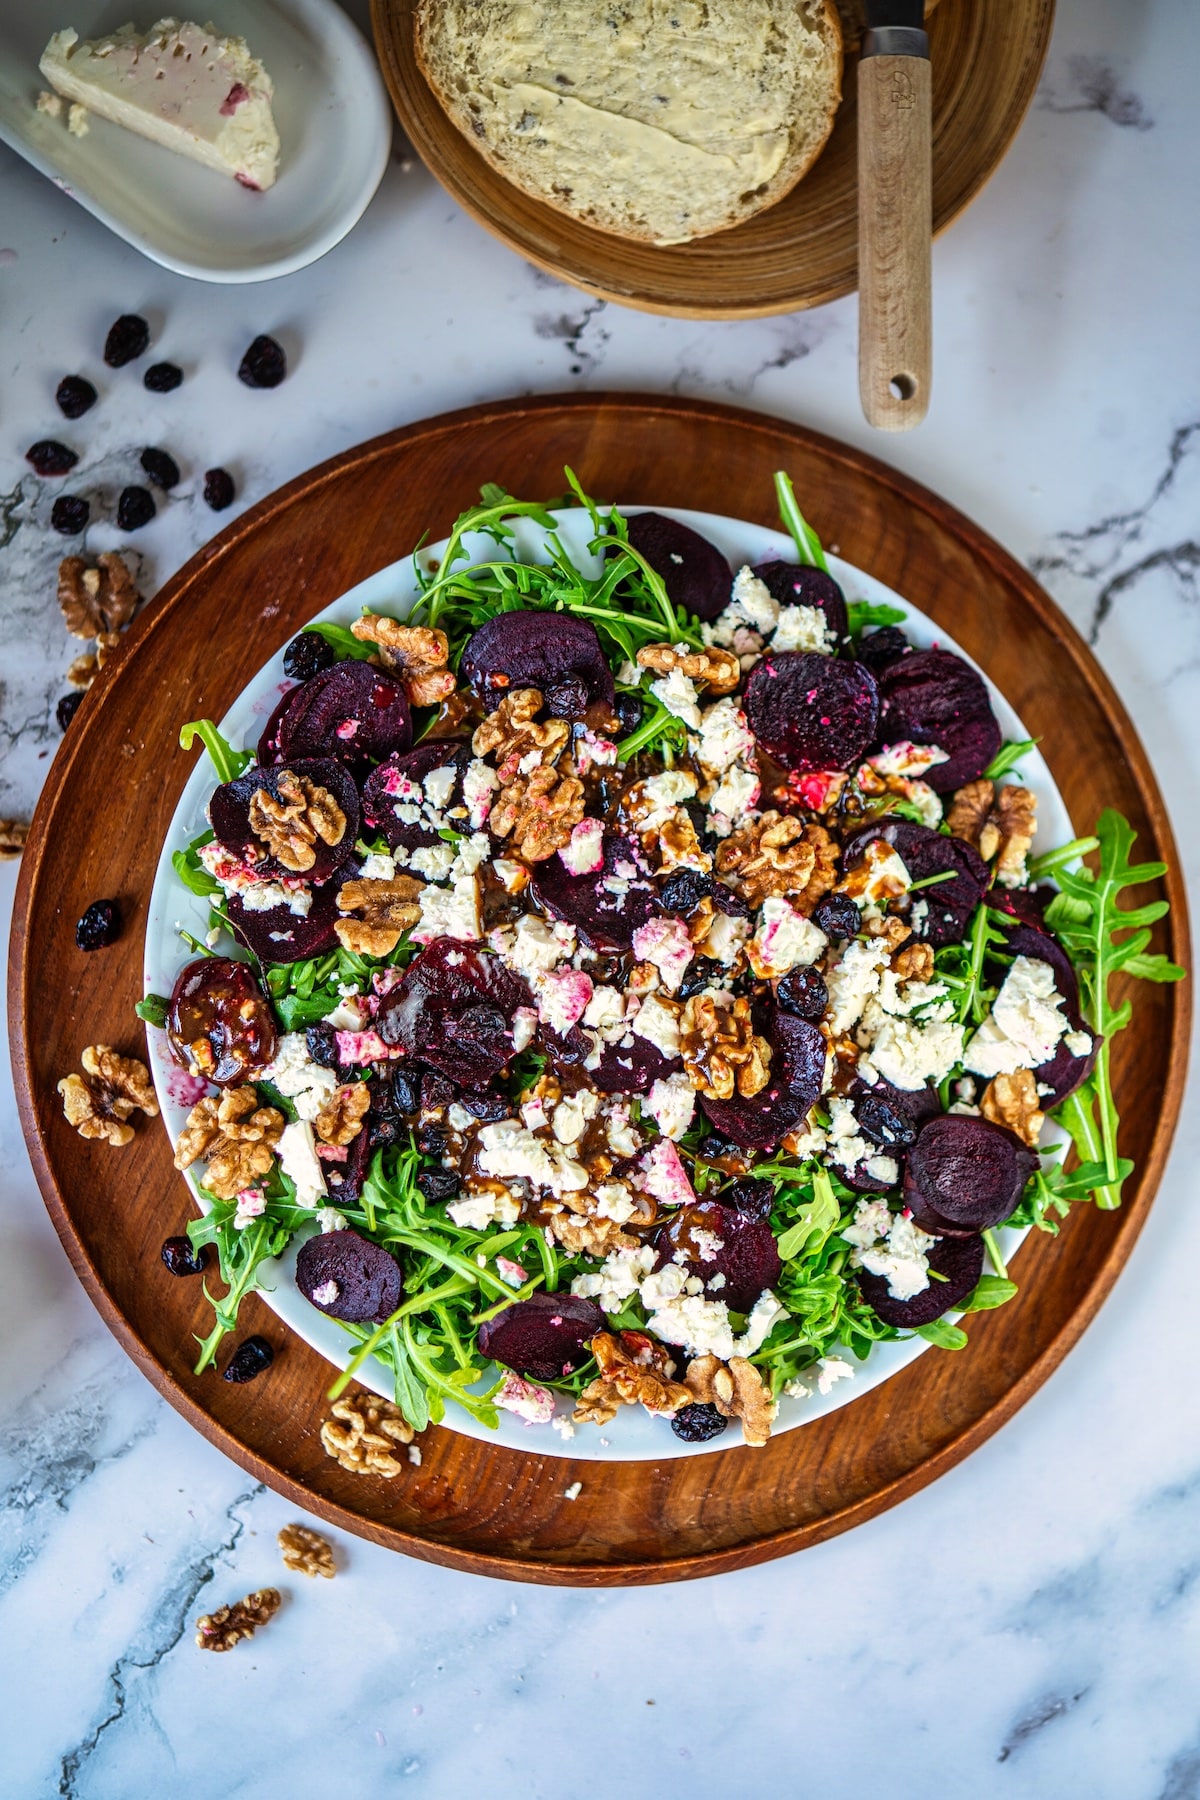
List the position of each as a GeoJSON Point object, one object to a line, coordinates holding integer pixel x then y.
{"type": "Point", "coordinates": [335, 127]}
{"type": "Point", "coordinates": [633, 1435]}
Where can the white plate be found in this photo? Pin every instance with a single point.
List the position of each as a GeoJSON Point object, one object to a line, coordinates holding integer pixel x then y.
{"type": "Point", "coordinates": [633, 1434]}
{"type": "Point", "coordinates": [335, 128]}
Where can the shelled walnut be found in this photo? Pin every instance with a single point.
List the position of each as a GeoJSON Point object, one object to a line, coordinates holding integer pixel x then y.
{"type": "Point", "coordinates": [1000, 823]}
{"type": "Point", "coordinates": [512, 735]}
{"type": "Point", "coordinates": [13, 833]}
{"type": "Point", "coordinates": [777, 854]}
{"type": "Point", "coordinates": [416, 653]}
{"type": "Point", "coordinates": [306, 1552]}
{"type": "Point", "coordinates": [290, 825]}
{"type": "Point", "coordinates": [633, 1371]}
{"type": "Point", "coordinates": [364, 1434]}
{"type": "Point", "coordinates": [720, 1050]}
{"type": "Point", "coordinates": [222, 1629]}
{"type": "Point", "coordinates": [737, 1390]}
{"type": "Point", "coordinates": [341, 1119]}
{"type": "Point", "coordinates": [1012, 1100]}
{"type": "Point", "coordinates": [719, 670]}
{"type": "Point", "coordinates": [100, 1102]}
{"type": "Point", "coordinates": [235, 1135]}
{"type": "Point", "coordinates": [96, 601]}
{"type": "Point", "coordinates": [385, 911]}
{"type": "Point", "coordinates": [539, 813]}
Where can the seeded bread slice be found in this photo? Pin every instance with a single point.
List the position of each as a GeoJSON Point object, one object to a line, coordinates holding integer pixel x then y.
{"type": "Point", "coordinates": [660, 120]}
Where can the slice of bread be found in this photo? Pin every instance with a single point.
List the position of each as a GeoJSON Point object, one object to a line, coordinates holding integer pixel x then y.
{"type": "Point", "coordinates": [661, 120]}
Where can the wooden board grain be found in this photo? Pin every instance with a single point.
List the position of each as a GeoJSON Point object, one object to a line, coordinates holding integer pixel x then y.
{"type": "Point", "coordinates": [105, 811]}
{"type": "Point", "coordinates": [986, 58]}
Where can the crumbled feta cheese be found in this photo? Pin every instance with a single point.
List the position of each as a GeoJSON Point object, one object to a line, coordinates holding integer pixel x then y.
{"type": "Point", "coordinates": [783, 939]}
{"type": "Point", "coordinates": [671, 1103]}
{"type": "Point", "coordinates": [573, 1492]}
{"type": "Point", "coordinates": [297, 1076]}
{"type": "Point", "coordinates": [449, 912]}
{"type": "Point", "coordinates": [563, 996]}
{"type": "Point", "coordinates": [700, 1325]}
{"type": "Point", "coordinates": [623, 1140]}
{"type": "Point", "coordinates": [881, 875]}
{"type": "Point", "coordinates": [661, 794]}
{"type": "Point", "coordinates": [724, 938]}
{"type": "Point", "coordinates": [326, 1294]}
{"type": "Point", "coordinates": [662, 1286]}
{"type": "Point", "coordinates": [265, 896]}
{"type": "Point", "coordinates": [760, 1323]}
{"type": "Point", "coordinates": [537, 947]}
{"type": "Point", "coordinates": [1025, 1023]}
{"type": "Point", "coordinates": [605, 1011]}
{"type": "Point", "coordinates": [662, 1174]}
{"type": "Point", "coordinates": [907, 759]}
{"type": "Point", "coordinates": [724, 736]}
{"type": "Point", "coordinates": [379, 866]}
{"type": "Point", "coordinates": [251, 1204]}
{"type": "Point", "coordinates": [629, 675]}
{"type": "Point", "coordinates": [833, 1369]}
{"type": "Point", "coordinates": [589, 749]}
{"type": "Point", "coordinates": [583, 854]}
{"type": "Point", "coordinates": [562, 1424]}
{"type": "Point", "coordinates": [666, 943]}
{"type": "Point", "coordinates": [736, 794]}
{"type": "Point", "coordinates": [524, 1027]}
{"type": "Point", "coordinates": [475, 1212]}
{"type": "Point", "coordinates": [513, 876]}
{"type": "Point", "coordinates": [618, 1278]}
{"type": "Point", "coordinates": [532, 1403]}
{"type": "Point", "coordinates": [658, 1022]}
{"type": "Point", "coordinates": [853, 980]}
{"type": "Point", "coordinates": [909, 1053]}
{"type": "Point", "coordinates": [433, 861]}
{"type": "Point", "coordinates": [298, 1159]}
{"type": "Point", "coordinates": [614, 1201]}
{"type": "Point", "coordinates": [872, 1221]}
{"type": "Point", "coordinates": [471, 853]}
{"type": "Point", "coordinates": [479, 784]}
{"type": "Point", "coordinates": [677, 692]}
{"type": "Point", "coordinates": [571, 1115]}
{"type": "Point", "coordinates": [508, 1150]}
{"type": "Point", "coordinates": [918, 915]}
{"type": "Point", "coordinates": [753, 601]}
{"type": "Point", "coordinates": [350, 1014]}
{"type": "Point", "coordinates": [1078, 1043]}
{"type": "Point", "coordinates": [439, 785]}
{"type": "Point", "coordinates": [330, 1219]}
{"type": "Point", "coordinates": [414, 1455]}
{"type": "Point", "coordinates": [803, 628]}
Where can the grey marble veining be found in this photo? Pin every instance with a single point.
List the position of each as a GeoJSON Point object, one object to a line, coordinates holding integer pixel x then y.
{"type": "Point", "coordinates": [1028, 1626]}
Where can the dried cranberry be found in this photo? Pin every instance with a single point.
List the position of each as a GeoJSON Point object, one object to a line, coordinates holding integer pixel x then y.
{"type": "Point", "coordinates": [162, 469]}
{"type": "Point", "coordinates": [127, 338]}
{"type": "Point", "coordinates": [804, 993]}
{"type": "Point", "coordinates": [322, 1045]}
{"type": "Point", "coordinates": [49, 457]}
{"type": "Point", "coordinates": [135, 508]}
{"type": "Point", "coordinates": [251, 1358]}
{"type": "Point", "coordinates": [702, 972]}
{"type": "Point", "coordinates": [406, 1091]}
{"type": "Point", "coordinates": [438, 1184]}
{"type": "Point", "coordinates": [713, 1148]}
{"type": "Point", "coordinates": [70, 514]}
{"type": "Point", "coordinates": [751, 1196]}
{"type": "Point", "coordinates": [66, 709]}
{"type": "Point", "coordinates": [885, 1125]}
{"type": "Point", "coordinates": [487, 1107]}
{"type": "Point", "coordinates": [75, 396]}
{"type": "Point", "coordinates": [162, 378]}
{"type": "Point", "coordinates": [628, 709]}
{"type": "Point", "coordinates": [431, 1140]}
{"type": "Point", "coordinates": [218, 489]}
{"type": "Point", "coordinates": [683, 891]}
{"type": "Point", "coordinates": [566, 699]}
{"type": "Point", "coordinates": [880, 648]}
{"type": "Point", "coordinates": [180, 1257]}
{"type": "Point", "coordinates": [264, 364]}
{"type": "Point", "coordinates": [697, 1423]}
{"type": "Point", "coordinates": [99, 926]}
{"type": "Point", "coordinates": [837, 916]}
{"type": "Point", "coordinates": [307, 655]}
{"type": "Point", "coordinates": [436, 1091]}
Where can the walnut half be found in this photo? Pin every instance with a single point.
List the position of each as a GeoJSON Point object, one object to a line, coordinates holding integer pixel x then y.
{"type": "Point", "coordinates": [719, 670]}
{"type": "Point", "coordinates": [737, 1390]}
{"type": "Point", "coordinates": [633, 1370]}
{"type": "Point", "coordinates": [99, 1102]}
{"type": "Point", "coordinates": [539, 813]}
{"type": "Point", "coordinates": [96, 601]}
{"type": "Point", "coordinates": [1000, 823]}
{"type": "Point", "coordinates": [341, 1119]}
{"type": "Point", "coordinates": [720, 1050]}
{"type": "Point", "coordinates": [416, 653]}
{"type": "Point", "coordinates": [305, 1551]}
{"type": "Point", "coordinates": [364, 1434]}
{"type": "Point", "coordinates": [235, 1134]}
{"type": "Point", "coordinates": [385, 911]}
{"type": "Point", "coordinates": [1012, 1100]}
{"type": "Point", "coordinates": [222, 1629]}
{"type": "Point", "coordinates": [511, 733]}
{"type": "Point", "coordinates": [778, 854]}
{"type": "Point", "coordinates": [290, 825]}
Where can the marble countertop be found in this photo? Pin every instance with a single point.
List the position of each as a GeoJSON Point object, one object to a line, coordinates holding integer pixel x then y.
{"type": "Point", "coordinates": [1029, 1625]}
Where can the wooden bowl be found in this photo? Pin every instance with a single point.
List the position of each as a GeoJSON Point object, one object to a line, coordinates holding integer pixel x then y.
{"type": "Point", "coordinates": [986, 59]}
{"type": "Point", "coordinates": [101, 821]}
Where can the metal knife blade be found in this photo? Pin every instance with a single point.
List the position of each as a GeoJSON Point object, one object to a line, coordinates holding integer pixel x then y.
{"type": "Point", "coordinates": [895, 28]}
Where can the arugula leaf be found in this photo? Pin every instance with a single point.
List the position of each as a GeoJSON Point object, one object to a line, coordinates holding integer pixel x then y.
{"type": "Point", "coordinates": [192, 872]}
{"type": "Point", "coordinates": [228, 762]}
{"type": "Point", "coordinates": [942, 1333]}
{"type": "Point", "coordinates": [339, 638]}
{"type": "Point", "coordinates": [814, 1222]}
{"type": "Point", "coordinates": [808, 544]}
{"type": "Point", "coordinates": [992, 1291]}
{"type": "Point", "coordinates": [1008, 756]}
{"type": "Point", "coordinates": [875, 613]}
{"type": "Point", "coordinates": [153, 1009]}
{"type": "Point", "coordinates": [241, 1256]}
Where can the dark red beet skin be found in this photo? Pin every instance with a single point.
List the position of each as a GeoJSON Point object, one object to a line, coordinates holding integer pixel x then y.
{"type": "Point", "coordinates": [925, 852]}
{"type": "Point", "coordinates": [353, 712]}
{"type": "Point", "coordinates": [965, 1175]}
{"type": "Point", "coordinates": [748, 1257]}
{"type": "Point", "coordinates": [282, 936]}
{"type": "Point", "coordinates": [606, 921]}
{"type": "Point", "coordinates": [695, 574]}
{"type": "Point", "coordinates": [544, 1337]}
{"type": "Point", "coordinates": [812, 711]}
{"type": "Point", "coordinates": [357, 1280]}
{"type": "Point", "coordinates": [633, 1070]}
{"type": "Point", "coordinates": [959, 1260]}
{"type": "Point", "coordinates": [379, 806]}
{"type": "Point", "coordinates": [220, 1020]}
{"type": "Point", "coordinates": [229, 812]}
{"type": "Point", "coordinates": [540, 650]}
{"type": "Point", "coordinates": [934, 697]}
{"type": "Point", "coordinates": [454, 1011]}
{"type": "Point", "coordinates": [799, 584]}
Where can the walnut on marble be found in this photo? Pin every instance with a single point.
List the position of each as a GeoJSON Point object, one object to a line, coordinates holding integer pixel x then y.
{"type": "Point", "coordinates": [13, 833]}
{"type": "Point", "coordinates": [222, 1629]}
{"type": "Point", "coordinates": [306, 1552]}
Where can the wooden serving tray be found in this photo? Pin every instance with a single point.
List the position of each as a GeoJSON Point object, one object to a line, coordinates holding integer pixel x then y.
{"type": "Point", "coordinates": [986, 57]}
{"type": "Point", "coordinates": [103, 816]}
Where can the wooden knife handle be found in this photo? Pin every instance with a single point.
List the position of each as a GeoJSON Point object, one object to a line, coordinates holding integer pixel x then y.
{"type": "Point", "coordinates": [895, 226]}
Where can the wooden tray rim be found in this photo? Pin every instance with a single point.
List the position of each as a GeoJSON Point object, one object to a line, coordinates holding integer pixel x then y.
{"type": "Point", "coordinates": [1130, 1220]}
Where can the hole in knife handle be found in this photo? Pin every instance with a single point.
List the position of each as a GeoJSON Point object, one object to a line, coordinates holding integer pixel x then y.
{"type": "Point", "coordinates": [902, 387]}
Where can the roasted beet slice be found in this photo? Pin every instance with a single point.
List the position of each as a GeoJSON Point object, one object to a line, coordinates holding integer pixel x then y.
{"type": "Point", "coordinates": [964, 1175]}
{"type": "Point", "coordinates": [695, 574]}
{"type": "Point", "coordinates": [545, 1337]}
{"type": "Point", "coordinates": [281, 936]}
{"type": "Point", "coordinates": [748, 1256]}
{"type": "Point", "coordinates": [220, 1021]}
{"type": "Point", "coordinates": [948, 904]}
{"type": "Point", "coordinates": [632, 1070]}
{"type": "Point", "coordinates": [1064, 1071]}
{"type": "Point", "coordinates": [797, 1075]}
{"type": "Point", "coordinates": [934, 697]}
{"type": "Point", "coordinates": [889, 1118]}
{"type": "Point", "coordinates": [799, 584]}
{"type": "Point", "coordinates": [606, 908]}
{"type": "Point", "coordinates": [540, 650]}
{"type": "Point", "coordinates": [229, 811]}
{"type": "Point", "coordinates": [880, 649]}
{"type": "Point", "coordinates": [959, 1261]}
{"type": "Point", "coordinates": [268, 744]}
{"type": "Point", "coordinates": [454, 1011]}
{"type": "Point", "coordinates": [798, 1053]}
{"type": "Point", "coordinates": [756, 1124]}
{"type": "Point", "coordinates": [349, 1277]}
{"type": "Point", "coordinates": [812, 711]}
{"type": "Point", "coordinates": [390, 786]}
{"type": "Point", "coordinates": [353, 712]}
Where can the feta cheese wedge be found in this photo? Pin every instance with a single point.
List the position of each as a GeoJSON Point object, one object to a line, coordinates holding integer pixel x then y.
{"type": "Point", "coordinates": [181, 85]}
